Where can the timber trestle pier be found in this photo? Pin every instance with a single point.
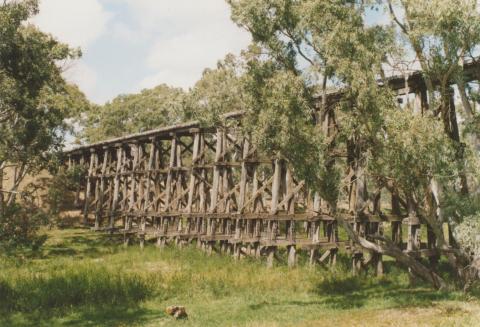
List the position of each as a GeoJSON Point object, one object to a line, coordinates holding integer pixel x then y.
{"type": "Point", "coordinates": [188, 183]}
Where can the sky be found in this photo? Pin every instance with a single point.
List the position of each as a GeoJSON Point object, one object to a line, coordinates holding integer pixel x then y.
{"type": "Point", "coordinates": [129, 45]}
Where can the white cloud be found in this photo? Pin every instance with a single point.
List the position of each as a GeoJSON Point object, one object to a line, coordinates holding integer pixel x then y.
{"type": "Point", "coordinates": [182, 59]}
{"type": "Point", "coordinates": [85, 77]}
{"type": "Point", "coordinates": [187, 37]}
{"type": "Point", "coordinates": [123, 32]}
{"type": "Point", "coordinates": [172, 41]}
{"type": "Point", "coordinates": [173, 16]}
{"type": "Point", "coordinates": [78, 23]}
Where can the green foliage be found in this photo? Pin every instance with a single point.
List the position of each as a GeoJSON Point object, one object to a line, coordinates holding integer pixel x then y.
{"type": "Point", "coordinates": [330, 38]}
{"type": "Point", "coordinates": [473, 125]}
{"type": "Point", "coordinates": [218, 91]}
{"type": "Point", "coordinates": [443, 37]}
{"type": "Point", "coordinates": [467, 233]}
{"type": "Point", "coordinates": [19, 225]}
{"type": "Point", "coordinates": [280, 122]}
{"type": "Point", "coordinates": [30, 124]}
{"type": "Point", "coordinates": [35, 102]}
{"type": "Point", "coordinates": [408, 138]}
{"type": "Point", "coordinates": [128, 114]}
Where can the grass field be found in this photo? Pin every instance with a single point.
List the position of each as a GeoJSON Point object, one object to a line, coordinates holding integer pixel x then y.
{"type": "Point", "coordinates": [84, 279]}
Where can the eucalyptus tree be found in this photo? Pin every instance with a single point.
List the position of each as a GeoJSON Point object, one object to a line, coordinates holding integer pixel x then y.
{"type": "Point", "coordinates": [442, 36]}
{"type": "Point", "coordinates": [307, 47]}
{"type": "Point", "coordinates": [133, 113]}
{"type": "Point", "coordinates": [218, 91]}
{"type": "Point", "coordinates": [34, 98]}
{"type": "Point", "coordinates": [35, 102]}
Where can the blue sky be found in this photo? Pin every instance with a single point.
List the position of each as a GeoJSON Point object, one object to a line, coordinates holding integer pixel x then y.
{"type": "Point", "coordinates": [129, 45]}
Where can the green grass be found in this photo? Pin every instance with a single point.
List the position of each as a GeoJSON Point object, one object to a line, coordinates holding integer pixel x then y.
{"type": "Point", "coordinates": [80, 278]}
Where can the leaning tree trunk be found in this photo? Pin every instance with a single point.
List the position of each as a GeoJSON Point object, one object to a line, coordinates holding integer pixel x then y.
{"type": "Point", "coordinates": [387, 247]}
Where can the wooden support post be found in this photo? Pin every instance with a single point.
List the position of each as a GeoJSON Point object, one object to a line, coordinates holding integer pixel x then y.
{"type": "Point", "coordinates": [413, 243]}
{"type": "Point", "coordinates": [292, 256]}
{"type": "Point", "coordinates": [273, 224]}
{"type": "Point", "coordinates": [277, 175]}
{"type": "Point", "coordinates": [202, 187]}
{"type": "Point", "coordinates": [124, 186]}
{"type": "Point", "coordinates": [216, 171]}
{"type": "Point", "coordinates": [100, 196]}
{"type": "Point", "coordinates": [193, 180]}
{"type": "Point", "coordinates": [313, 257]}
{"type": "Point", "coordinates": [290, 208]}
{"type": "Point", "coordinates": [413, 228]}
{"type": "Point", "coordinates": [332, 237]}
{"type": "Point", "coordinates": [315, 229]}
{"type": "Point", "coordinates": [396, 225]}
{"type": "Point", "coordinates": [376, 258]}
{"type": "Point", "coordinates": [131, 206]}
{"type": "Point", "coordinates": [90, 181]}
{"type": "Point", "coordinates": [147, 191]}
{"type": "Point", "coordinates": [76, 202]}
{"type": "Point", "coordinates": [270, 255]}
{"type": "Point", "coordinates": [116, 186]}
{"type": "Point", "coordinates": [237, 250]}
{"type": "Point", "coordinates": [357, 255]}
{"type": "Point", "coordinates": [432, 244]}
{"type": "Point", "coordinates": [171, 165]}
{"type": "Point", "coordinates": [239, 223]}
{"type": "Point", "coordinates": [333, 257]}
{"type": "Point", "coordinates": [244, 175]}
{"type": "Point", "coordinates": [359, 205]}
{"type": "Point", "coordinates": [357, 263]}
{"type": "Point", "coordinates": [165, 221]}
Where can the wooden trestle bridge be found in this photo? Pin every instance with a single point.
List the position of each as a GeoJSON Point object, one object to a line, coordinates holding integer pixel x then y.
{"type": "Point", "coordinates": [187, 183]}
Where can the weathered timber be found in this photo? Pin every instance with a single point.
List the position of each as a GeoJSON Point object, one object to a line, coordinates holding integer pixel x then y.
{"type": "Point", "coordinates": [186, 183]}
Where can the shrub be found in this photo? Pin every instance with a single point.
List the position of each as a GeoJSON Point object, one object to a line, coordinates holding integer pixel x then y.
{"type": "Point", "coordinates": [467, 234]}
{"type": "Point", "coordinates": [19, 226]}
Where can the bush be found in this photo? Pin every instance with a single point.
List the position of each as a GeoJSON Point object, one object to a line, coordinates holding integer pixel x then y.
{"type": "Point", "coordinates": [19, 226]}
{"type": "Point", "coordinates": [467, 234]}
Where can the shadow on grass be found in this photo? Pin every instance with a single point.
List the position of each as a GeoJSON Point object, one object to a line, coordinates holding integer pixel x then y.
{"type": "Point", "coordinates": [77, 244]}
{"type": "Point", "coordinates": [85, 316]}
{"type": "Point", "coordinates": [356, 292]}
{"type": "Point", "coordinates": [115, 317]}
{"type": "Point", "coordinates": [393, 298]}
{"type": "Point", "coordinates": [91, 246]}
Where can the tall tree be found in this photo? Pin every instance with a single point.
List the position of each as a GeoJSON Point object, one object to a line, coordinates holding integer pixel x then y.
{"type": "Point", "coordinates": [218, 91]}
{"type": "Point", "coordinates": [442, 40]}
{"type": "Point", "coordinates": [33, 94]}
{"type": "Point", "coordinates": [442, 36]}
{"type": "Point", "coordinates": [133, 113]}
{"type": "Point", "coordinates": [324, 43]}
